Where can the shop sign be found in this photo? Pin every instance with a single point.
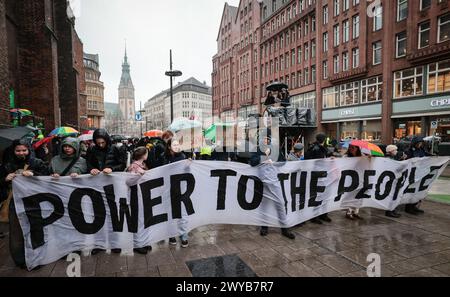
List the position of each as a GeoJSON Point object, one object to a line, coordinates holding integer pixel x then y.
{"type": "Point", "coordinates": [440, 102]}
{"type": "Point", "coordinates": [347, 112]}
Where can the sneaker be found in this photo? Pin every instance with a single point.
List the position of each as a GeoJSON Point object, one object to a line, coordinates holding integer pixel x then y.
{"type": "Point", "coordinates": [392, 214]}
{"type": "Point", "coordinates": [96, 251]}
{"type": "Point", "coordinates": [349, 216]}
{"type": "Point", "coordinates": [316, 221]}
{"type": "Point", "coordinates": [142, 251]}
{"type": "Point", "coordinates": [184, 243]}
{"type": "Point", "coordinates": [410, 209]}
{"type": "Point", "coordinates": [264, 231]}
{"type": "Point", "coordinates": [288, 234]}
{"type": "Point", "coordinates": [172, 241]}
{"type": "Point", "coordinates": [116, 251]}
{"type": "Point", "coordinates": [325, 218]}
{"type": "Point", "coordinates": [149, 248]}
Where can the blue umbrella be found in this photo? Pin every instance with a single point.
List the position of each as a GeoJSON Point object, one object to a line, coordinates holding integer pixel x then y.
{"type": "Point", "coordinates": [183, 123]}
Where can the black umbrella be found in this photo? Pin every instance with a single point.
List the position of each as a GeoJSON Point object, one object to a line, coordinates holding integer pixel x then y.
{"type": "Point", "coordinates": [7, 136]}
{"type": "Point", "coordinates": [277, 86]}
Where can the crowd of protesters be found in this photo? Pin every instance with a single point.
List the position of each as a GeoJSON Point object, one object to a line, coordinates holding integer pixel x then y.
{"type": "Point", "coordinates": [70, 157]}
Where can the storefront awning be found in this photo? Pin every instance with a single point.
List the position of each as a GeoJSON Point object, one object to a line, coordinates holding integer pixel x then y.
{"type": "Point", "coordinates": [351, 120]}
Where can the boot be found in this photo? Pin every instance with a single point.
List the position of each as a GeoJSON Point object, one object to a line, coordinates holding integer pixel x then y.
{"type": "Point", "coordinates": [264, 231]}
{"type": "Point", "coordinates": [287, 233]}
{"type": "Point", "coordinates": [142, 251]}
{"type": "Point", "coordinates": [409, 208]}
{"type": "Point", "coordinates": [316, 221]}
{"type": "Point", "coordinates": [116, 251]}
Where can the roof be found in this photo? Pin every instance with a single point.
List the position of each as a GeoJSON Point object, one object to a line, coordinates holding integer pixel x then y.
{"type": "Point", "coordinates": [233, 10]}
{"type": "Point", "coordinates": [92, 57]}
{"type": "Point", "coordinates": [125, 79]}
{"type": "Point", "coordinates": [190, 84]}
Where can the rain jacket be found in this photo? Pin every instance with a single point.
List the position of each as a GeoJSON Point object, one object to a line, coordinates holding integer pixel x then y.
{"type": "Point", "coordinates": [415, 152]}
{"type": "Point", "coordinates": [109, 157]}
{"type": "Point", "coordinates": [62, 161]}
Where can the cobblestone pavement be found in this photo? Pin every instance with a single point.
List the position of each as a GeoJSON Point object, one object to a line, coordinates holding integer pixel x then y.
{"type": "Point", "coordinates": [408, 246]}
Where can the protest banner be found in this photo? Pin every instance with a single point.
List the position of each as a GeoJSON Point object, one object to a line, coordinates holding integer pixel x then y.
{"type": "Point", "coordinates": [126, 211]}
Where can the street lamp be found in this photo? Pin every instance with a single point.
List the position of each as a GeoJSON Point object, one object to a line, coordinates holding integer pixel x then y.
{"type": "Point", "coordinates": [172, 74]}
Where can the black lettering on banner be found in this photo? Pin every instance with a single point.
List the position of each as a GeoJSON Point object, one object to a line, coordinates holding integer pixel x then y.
{"type": "Point", "coordinates": [353, 186]}
{"type": "Point", "coordinates": [32, 206]}
{"type": "Point", "coordinates": [76, 213]}
{"type": "Point", "coordinates": [367, 185]}
{"type": "Point", "coordinates": [422, 186]}
{"type": "Point", "coordinates": [282, 177]}
{"type": "Point", "coordinates": [411, 180]}
{"type": "Point", "coordinates": [221, 190]}
{"type": "Point", "coordinates": [146, 189]}
{"type": "Point", "coordinates": [400, 183]}
{"type": "Point", "coordinates": [177, 197]}
{"type": "Point", "coordinates": [257, 192]}
{"type": "Point", "coordinates": [118, 219]}
{"type": "Point", "coordinates": [315, 188]}
{"type": "Point", "coordinates": [387, 188]}
{"type": "Point", "coordinates": [298, 190]}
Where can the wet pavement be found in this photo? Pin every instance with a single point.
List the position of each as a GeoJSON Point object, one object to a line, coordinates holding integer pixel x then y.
{"type": "Point", "coordinates": [408, 246]}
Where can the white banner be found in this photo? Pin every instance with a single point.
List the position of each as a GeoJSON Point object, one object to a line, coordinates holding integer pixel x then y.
{"type": "Point", "coordinates": [127, 211]}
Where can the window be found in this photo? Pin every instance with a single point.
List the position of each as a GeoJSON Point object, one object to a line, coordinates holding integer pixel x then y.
{"type": "Point", "coordinates": [346, 31]}
{"type": "Point", "coordinates": [299, 56]}
{"type": "Point", "coordinates": [330, 97]}
{"type": "Point", "coordinates": [400, 40]}
{"type": "Point", "coordinates": [345, 61]}
{"type": "Point", "coordinates": [306, 71]}
{"type": "Point", "coordinates": [355, 26]}
{"type": "Point", "coordinates": [325, 42]}
{"type": "Point", "coordinates": [346, 4]}
{"type": "Point", "coordinates": [355, 2]}
{"type": "Point", "coordinates": [408, 82]}
{"type": "Point", "coordinates": [325, 69]}
{"type": "Point", "coordinates": [336, 64]}
{"type": "Point", "coordinates": [306, 100]}
{"type": "Point", "coordinates": [424, 34]}
{"type": "Point", "coordinates": [378, 18]}
{"type": "Point", "coordinates": [306, 26]}
{"type": "Point", "coordinates": [402, 10]}
{"type": "Point", "coordinates": [444, 28]}
{"type": "Point", "coordinates": [293, 57]}
{"type": "Point", "coordinates": [355, 53]}
{"type": "Point", "coordinates": [336, 7]}
{"type": "Point", "coordinates": [336, 35]}
{"type": "Point", "coordinates": [439, 77]}
{"type": "Point", "coordinates": [313, 48]}
{"type": "Point", "coordinates": [372, 89]}
{"type": "Point", "coordinates": [313, 74]}
{"type": "Point", "coordinates": [325, 14]}
{"type": "Point", "coordinates": [376, 46]}
{"type": "Point", "coordinates": [306, 51]}
{"type": "Point", "coordinates": [349, 94]}
{"type": "Point", "coordinates": [425, 4]}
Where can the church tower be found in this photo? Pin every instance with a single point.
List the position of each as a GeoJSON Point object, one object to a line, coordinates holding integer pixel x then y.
{"type": "Point", "coordinates": [126, 92]}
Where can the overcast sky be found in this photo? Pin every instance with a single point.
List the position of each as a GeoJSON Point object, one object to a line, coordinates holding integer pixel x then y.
{"type": "Point", "coordinates": [150, 28]}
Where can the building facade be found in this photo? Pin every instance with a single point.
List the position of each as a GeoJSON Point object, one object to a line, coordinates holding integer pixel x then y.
{"type": "Point", "coordinates": [95, 92]}
{"type": "Point", "coordinates": [41, 62]}
{"type": "Point", "coordinates": [191, 99]}
{"type": "Point", "coordinates": [372, 70]}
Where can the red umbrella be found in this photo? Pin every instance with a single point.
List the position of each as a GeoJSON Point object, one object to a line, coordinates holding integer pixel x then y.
{"type": "Point", "coordinates": [42, 141]}
{"type": "Point", "coordinates": [153, 133]}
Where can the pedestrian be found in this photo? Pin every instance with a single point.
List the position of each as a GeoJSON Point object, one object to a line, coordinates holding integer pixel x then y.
{"type": "Point", "coordinates": [318, 151]}
{"type": "Point", "coordinates": [21, 162]}
{"type": "Point", "coordinates": [139, 166]}
{"type": "Point", "coordinates": [69, 161]}
{"type": "Point", "coordinates": [104, 157]}
{"type": "Point", "coordinates": [174, 154]}
{"type": "Point", "coordinates": [297, 154]}
{"type": "Point", "coordinates": [416, 150]}
{"type": "Point", "coordinates": [353, 152]}
{"type": "Point", "coordinates": [393, 154]}
{"type": "Point", "coordinates": [257, 158]}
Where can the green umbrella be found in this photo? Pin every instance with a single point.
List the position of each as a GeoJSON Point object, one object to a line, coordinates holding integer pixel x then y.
{"type": "Point", "coordinates": [210, 133]}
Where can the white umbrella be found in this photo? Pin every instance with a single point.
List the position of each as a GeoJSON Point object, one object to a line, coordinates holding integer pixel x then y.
{"type": "Point", "coordinates": [85, 137]}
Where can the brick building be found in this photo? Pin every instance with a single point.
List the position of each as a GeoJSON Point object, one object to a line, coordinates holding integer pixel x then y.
{"type": "Point", "coordinates": [95, 91]}
{"type": "Point", "coordinates": [44, 61]}
{"type": "Point", "coordinates": [371, 71]}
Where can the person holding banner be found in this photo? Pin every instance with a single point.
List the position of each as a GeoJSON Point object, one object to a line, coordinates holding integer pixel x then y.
{"type": "Point", "coordinates": [23, 163]}
{"type": "Point", "coordinates": [69, 161]}
{"type": "Point", "coordinates": [105, 158]}
{"type": "Point", "coordinates": [318, 151]}
{"type": "Point", "coordinates": [140, 155]}
{"type": "Point", "coordinates": [352, 152]}
{"type": "Point", "coordinates": [393, 153]}
{"type": "Point", "coordinates": [174, 154]}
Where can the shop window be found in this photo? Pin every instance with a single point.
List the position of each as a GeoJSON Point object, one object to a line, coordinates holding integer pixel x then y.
{"type": "Point", "coordinates": [408, 82]}
{"type": "Point", "coordinates": [439, 77]}
{"type": "Point", "coordinates": [330, 97]}
{"type": "Point", "coordinates": [372, 89]}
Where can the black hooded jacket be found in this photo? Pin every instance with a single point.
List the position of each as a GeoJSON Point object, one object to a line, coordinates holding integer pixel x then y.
{"type": "Point", "coordinates": [109, 157]}
{"type": "Point", "coordinates": [415, 152]}
{"type": "Point", "coordinates": [12, 164]}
